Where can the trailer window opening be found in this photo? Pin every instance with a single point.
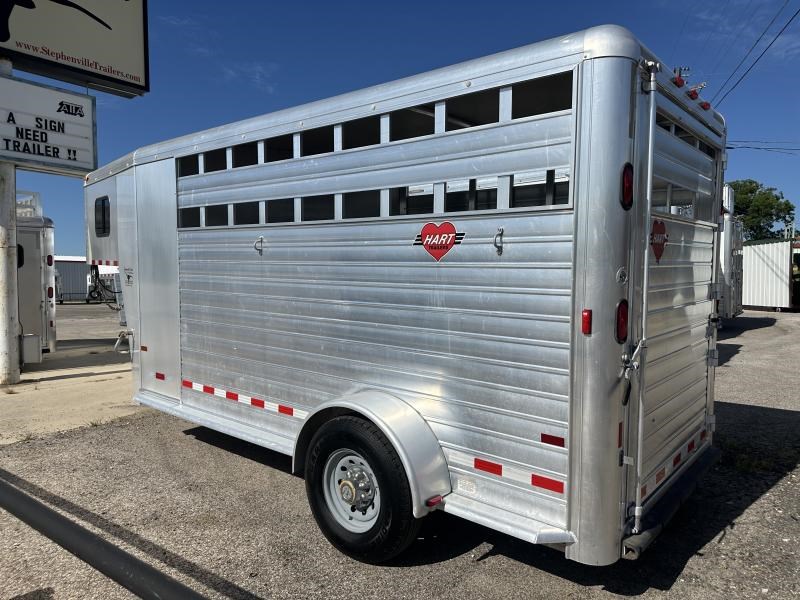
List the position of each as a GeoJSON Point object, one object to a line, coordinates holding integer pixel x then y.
{"type": "Point", "coordinates": [217, 215]}
{"type": "Point", "coordinates": [316, 141]}
{"type": "Point", "coordinates": [412, 122]}
{"type": "Point", "coordinates": [245, 154]}
{"type": "Point", "coordinates": [189, 217]}
{"type": "Point", "coordinates": [361, 132]}
{"type": "Point", "coordinates": [215, 160]}
{"type": "Point", "coordinates": [529, 191]}
{"type": "Point", "coordinates": [543, 95]}
{"type": "Point", "coordinates": [280, 211]}
{"type": "Point", "coordinates": [278, 148]}
{"type": "Point", "coordinates": [188, 165]}
{"type": "Point", "coordinates": [411, 201]}
{"type": "Point", "coordinates": [359, 205]}
{"type": "Point", "coordinates": [317, 208]}
{"type": "Point", "coordinates": [245, 213]}
{"type": "Point", "coordinates": [20, 256]}
{"type": "Point", "coordinates": [102, 217]}
{"type": "Point", "coordinates": [471, 195]}
{"type": "Point", "coordinates": [472, 110]}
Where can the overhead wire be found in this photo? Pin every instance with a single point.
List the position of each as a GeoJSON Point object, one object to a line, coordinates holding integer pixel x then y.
{"type": "Point", "coordinates": [755, 62]}
{"type": "Point", "coordinates": [744, 20]}
{"type": "Point", "coordinates": [749, 51]}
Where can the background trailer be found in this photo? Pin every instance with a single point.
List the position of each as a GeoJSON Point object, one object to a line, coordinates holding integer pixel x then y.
{"type": "Point", "coordinates": [768, 278]}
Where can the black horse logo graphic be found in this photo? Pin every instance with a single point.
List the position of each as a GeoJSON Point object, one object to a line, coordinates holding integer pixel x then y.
{"type": "Point", "coordinates": [6, 6]}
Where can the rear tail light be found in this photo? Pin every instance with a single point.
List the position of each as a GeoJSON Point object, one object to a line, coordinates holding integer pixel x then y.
{"type": "Point", "coordinates": [50, 292]}
{"type": "Point", "coordinates": [49, 260]}
{"type": "Point", "coordinates": [621, 329]}
{"type": "Point", "coordinates": [626, 197]}
{"type": "Point", "coordinates": [586, 321]}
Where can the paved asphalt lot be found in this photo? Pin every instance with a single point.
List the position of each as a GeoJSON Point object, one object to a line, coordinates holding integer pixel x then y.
{"type": "Point", "coordinates": [226, 517]}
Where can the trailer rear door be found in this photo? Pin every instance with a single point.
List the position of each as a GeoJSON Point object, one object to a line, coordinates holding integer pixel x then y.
{"type": "Point", "coordinates": [676, 379]}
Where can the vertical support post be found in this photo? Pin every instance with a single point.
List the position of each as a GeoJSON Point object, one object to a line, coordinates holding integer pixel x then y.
{"type": "Point", "coordinates": [9, 315]}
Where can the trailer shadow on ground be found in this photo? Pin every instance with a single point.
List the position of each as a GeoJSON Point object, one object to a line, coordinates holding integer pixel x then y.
{"type": "Point", "coordinates": [735, 327]}
{"type": "Point", "coordinates": [760, 446]}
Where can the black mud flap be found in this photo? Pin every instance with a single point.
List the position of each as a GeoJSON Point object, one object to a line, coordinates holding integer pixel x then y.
{"type": "Point", "coordinates": [666, 507]}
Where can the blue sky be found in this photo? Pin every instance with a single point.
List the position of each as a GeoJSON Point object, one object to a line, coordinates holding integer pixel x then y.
{"type": "Point", "coordinates": [213, 63]}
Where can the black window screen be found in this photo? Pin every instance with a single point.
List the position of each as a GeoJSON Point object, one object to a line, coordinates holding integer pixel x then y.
{"type": "Point", "coordinates": [102, 217]}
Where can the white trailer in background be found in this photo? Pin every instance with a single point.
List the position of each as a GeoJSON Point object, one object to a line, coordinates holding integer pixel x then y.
{"type": "Point", "coordinates": [71, 274]}
{"type": "Point", "coordinates": [767, 267]}
{"type": "Point", "coordinates": [730, 259]}
{"type": "Point", "coordinates": [35, 278]}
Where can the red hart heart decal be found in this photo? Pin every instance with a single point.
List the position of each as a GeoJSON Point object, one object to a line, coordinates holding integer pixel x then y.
{"type": "Point", "coordinates": [438, 239]}
{"type": "Point", "coordinates": [658, 239]}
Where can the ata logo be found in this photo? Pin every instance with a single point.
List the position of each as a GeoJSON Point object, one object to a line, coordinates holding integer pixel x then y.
{"type": "Point", "coordinates": [438, 239]}
{"type": "Point", "coordinates": [658, 239]}
{"type": "Point", "coordinates": [68, 108]}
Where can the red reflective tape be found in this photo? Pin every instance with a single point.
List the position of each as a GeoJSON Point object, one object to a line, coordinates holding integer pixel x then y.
{"type": "Point", "coordinates": [553, 440]}
{"type": "Point", "coordinates": [619, 435]}
{"type": "Point", "coordinates": [160, 376]}
{"type": "Point", "coordinates": [231, 395]}
{"type": "Point", "coordinates": [208, 389]}
{"type": "Point", "coordinates": [644, 491]}
{"type": "Point", "coordinates": [93, 261]}
{"type": "Point", "coordinates": [186, 383]}
{"type": "Point", "coordinates": [143, 348]}
{"type": "Point", "coordinates": [548, 484]}
{"type": "Point", "coordinates": [257, 402]}
{"type": "Point", "coordinates": [488, 466]}
{"type": "Point", "coordinates": [116, 263]}
{"type": "Point", "coordinates": [586, 321]}
{"type": "Point", "coordinates": [676, 461]}
{"type": "Point", "coordinates": [660, 475]}
{"type": "Point", "coordinates": [690, 447]}
{"type": "Point", "coordinates": [286, 410]}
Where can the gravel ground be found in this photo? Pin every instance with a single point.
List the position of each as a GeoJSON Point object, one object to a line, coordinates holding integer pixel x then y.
{"type": "Point", "coordinates": [227, 518]}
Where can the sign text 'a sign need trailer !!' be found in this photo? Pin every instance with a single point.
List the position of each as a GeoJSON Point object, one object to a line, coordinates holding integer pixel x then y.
{"type": "Point", "coordinates": [46, 129]}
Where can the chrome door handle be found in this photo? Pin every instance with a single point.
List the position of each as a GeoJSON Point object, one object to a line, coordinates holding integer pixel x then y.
{"type": "Point", "coordinates": [258, 245]}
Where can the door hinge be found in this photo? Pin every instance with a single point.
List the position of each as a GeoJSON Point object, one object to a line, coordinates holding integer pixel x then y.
{"type": "Point", "coordinates": [625, 460]}
{"type": "Point", "coordinates": [711, 423]}
{"type": "Point", "coordinates": [713, 358]}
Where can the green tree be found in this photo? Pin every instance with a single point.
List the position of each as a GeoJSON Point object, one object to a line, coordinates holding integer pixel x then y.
{"type": "Point", "coordinates": [760, 208]}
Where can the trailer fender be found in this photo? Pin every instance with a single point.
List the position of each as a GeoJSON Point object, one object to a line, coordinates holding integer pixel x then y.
{"type": "Point", "coordinates": [412, 438]}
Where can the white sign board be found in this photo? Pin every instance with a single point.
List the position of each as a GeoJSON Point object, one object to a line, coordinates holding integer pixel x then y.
{"type": "Point", "coordinates": [47, 129]}
{"type": "Point", "coordinates": [101, 43]}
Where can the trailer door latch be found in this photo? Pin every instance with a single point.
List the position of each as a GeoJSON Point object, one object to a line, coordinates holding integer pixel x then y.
{"type": "Point", "coordinates": [258, 245]}
{"type": "Point", "coordinates": [498, 241]}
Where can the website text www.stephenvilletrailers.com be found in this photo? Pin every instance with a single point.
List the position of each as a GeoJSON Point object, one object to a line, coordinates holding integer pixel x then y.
{"type": "Point", "coordinates": [80, 61]}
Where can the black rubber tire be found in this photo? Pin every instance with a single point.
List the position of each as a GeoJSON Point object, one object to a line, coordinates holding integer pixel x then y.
{"type": "Point", "coordinates": [395, 528]}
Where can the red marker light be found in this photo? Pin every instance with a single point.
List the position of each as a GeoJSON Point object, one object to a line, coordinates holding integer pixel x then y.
{"type": "Point", "coordinates": [621, 329]}
{"type": "Point", "coordinates": [678, 81]}
{"type": "Point", "coordinates": [705, 105]}
{"type": "Point", "coordinates": [50, 292]}
{"type": "Point", "coordinates": [626, 197]}
{"type": "Point", "coordinates": [586, 321]}
{"type": "Point", "coordinates": [693, 94]}
{"type": "Point", "coordinates": [49, 260]}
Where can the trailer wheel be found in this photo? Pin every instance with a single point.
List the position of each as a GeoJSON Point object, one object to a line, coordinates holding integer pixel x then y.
{"type": "Point", "coordinates": [358, 490]}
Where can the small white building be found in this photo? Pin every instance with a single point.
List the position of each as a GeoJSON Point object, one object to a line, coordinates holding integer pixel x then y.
{"type": "Point", "coordinates": [768, 277]}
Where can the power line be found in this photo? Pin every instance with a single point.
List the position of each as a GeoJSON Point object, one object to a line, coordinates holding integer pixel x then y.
{"type": "Point", "coordinates": [744, 58]}
{"type": "Point", "coordinates": [762, 142]}
{"type": "Point", "coordinates": [744, 21]}
{"type": "Point", "coordinates": [750, 68]}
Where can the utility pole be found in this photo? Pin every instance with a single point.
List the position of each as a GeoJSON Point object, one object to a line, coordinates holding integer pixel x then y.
{"type": "Point", "coordinates": [9, 317]}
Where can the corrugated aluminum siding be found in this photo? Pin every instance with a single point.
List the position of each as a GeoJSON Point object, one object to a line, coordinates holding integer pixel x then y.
{"type": "Point", "coordinates": [73, 279]}
{"type": "Point", "coordinates": [767, 275]}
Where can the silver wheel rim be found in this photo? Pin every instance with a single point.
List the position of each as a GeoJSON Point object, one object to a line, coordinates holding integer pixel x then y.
{"type": "Point", "coordinates": [351, 491]}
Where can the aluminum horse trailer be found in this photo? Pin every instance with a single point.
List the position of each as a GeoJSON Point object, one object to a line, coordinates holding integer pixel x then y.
{"type": "Point", "coordinates": [35, 274]}
{"type": "Point", "coordinates": [429, 293]}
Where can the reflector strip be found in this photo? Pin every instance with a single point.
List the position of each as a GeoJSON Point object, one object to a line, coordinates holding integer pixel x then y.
{"type": "Point", "coordinates": [245, 399]}
{"type": "Point", "coordinates": [160, 376]}
{"type": "Point", "coordinates": [547, 483]}
{"type": "Point", "coordinates": [143, 348]}
{"type": "Point", "coordinates": [108, 263]}
{"type": "Point", "coordinates": [553, 440]}
{"type": "Point", "coordinates": [619, 435]}
{"type": "Point", "coordinates": [489, 467]}
{"type": "Point", "coordinates": [671, 465]}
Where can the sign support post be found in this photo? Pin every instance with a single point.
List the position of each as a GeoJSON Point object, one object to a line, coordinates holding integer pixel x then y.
{"type": "Point", "coordinates": [9, 317]}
